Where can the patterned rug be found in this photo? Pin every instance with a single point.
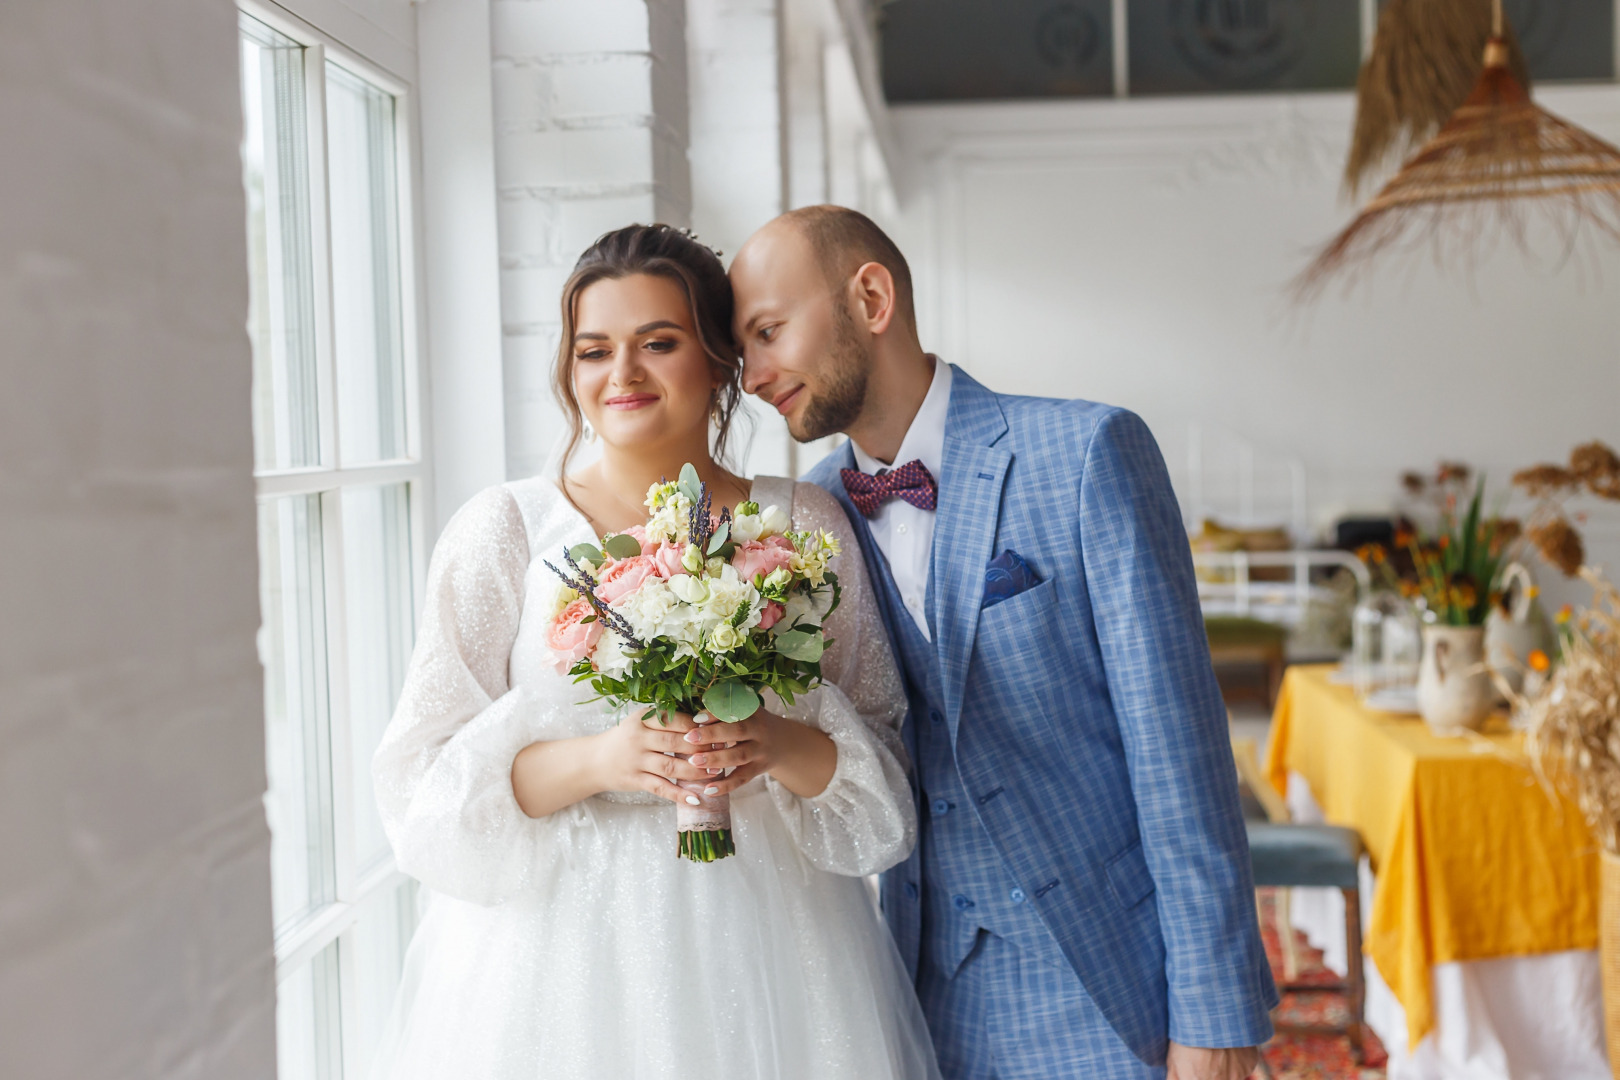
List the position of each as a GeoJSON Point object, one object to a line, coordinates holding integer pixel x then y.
{"type": "Point", "coordinates": [1312, 1057]}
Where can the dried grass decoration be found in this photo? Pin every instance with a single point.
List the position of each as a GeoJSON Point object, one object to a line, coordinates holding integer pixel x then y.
{"type": "Point", "coordinates": [1425, 59]}
{"type": "Point", "coordinates": [1574, 737]}
{"type": "Point", "coordinates": [1500, 158]}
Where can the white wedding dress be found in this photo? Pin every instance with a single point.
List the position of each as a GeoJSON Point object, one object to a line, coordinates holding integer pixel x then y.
{"type": "Point", "coordinates": [577, 946]}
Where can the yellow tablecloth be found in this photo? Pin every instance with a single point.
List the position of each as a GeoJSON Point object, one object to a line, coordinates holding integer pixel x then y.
{"type": "Point", "coordinates": [1474, 859]}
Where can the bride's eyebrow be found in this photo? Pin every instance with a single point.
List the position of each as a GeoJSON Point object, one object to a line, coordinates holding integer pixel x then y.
{"type": "Point", "coordinates": [659, 324]}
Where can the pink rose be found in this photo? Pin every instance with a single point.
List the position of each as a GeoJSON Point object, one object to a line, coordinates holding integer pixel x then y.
{"type": "Point", "coordinates": [756, 557]}
{"type": "Point", "coordinates": [622, 577]}
{"type": "Point", "coordinates": [667, 558]}
{"type": "Point", "coordinates": [771, 615]}
{"type": "Point", "coordinates": [570, 636]}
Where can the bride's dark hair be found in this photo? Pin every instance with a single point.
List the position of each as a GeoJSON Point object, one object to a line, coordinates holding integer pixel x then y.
{"type": "Point", "coordinates": [667, 252]}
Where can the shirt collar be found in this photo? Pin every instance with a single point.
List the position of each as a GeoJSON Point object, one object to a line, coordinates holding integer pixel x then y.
{"type": "Point", "coordinates": [925, 438]}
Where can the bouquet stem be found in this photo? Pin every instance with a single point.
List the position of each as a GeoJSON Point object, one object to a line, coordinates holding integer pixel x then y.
{"type": "Point", "coordinates": [703, 832]}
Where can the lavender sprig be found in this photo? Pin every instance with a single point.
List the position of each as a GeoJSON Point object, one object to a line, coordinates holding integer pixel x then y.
{"type": "Point", "coordinates": [583, 584]}
{"type": "Point", "coordinates": [697, 525]}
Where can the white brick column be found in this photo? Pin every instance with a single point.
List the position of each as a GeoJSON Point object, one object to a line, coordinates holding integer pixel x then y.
{"type": "Point", "coordinates": [590, 134]}
{"type": "Point", "coordinates": [135, 926]}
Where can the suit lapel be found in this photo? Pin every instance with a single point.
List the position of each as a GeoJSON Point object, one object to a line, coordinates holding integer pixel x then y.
{"type": "Point", "coordinates": [973, 474]}
{"type": "Point", "coordinates": [881, 580]}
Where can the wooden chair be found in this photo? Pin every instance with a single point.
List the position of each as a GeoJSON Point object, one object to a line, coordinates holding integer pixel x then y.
{"type": "Point", "coordinates": [1288, 856]}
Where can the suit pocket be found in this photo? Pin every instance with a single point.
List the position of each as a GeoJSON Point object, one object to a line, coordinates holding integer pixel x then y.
{"type": "Point", "coordinates": [1129, 877]}
{"type": "Point", "coordinates": [1020, 606]}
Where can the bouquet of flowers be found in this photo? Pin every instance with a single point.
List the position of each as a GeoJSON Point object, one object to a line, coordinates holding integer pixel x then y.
{"type": "Point", "coordinates": [697, 612]}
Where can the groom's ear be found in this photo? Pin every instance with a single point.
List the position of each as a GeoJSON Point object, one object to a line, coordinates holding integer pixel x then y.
{"type": "Point", "coordinates": [872, 290]}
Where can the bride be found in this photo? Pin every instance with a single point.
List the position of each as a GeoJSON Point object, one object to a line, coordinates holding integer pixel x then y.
{"type": "Point", "coordinates": [561, 936]}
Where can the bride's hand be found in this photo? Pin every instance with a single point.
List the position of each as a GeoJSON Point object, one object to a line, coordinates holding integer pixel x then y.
{"type": "Point", "coordinates": [635, 755]}
{"type": "Point", "coordinates": [801, 757]}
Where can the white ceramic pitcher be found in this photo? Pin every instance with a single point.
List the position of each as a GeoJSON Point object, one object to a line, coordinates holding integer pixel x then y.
{"type": "Point", "coordinates": [1455, 693]}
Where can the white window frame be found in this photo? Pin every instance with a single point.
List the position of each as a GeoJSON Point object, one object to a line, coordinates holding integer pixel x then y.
{"type": "Point", "coordinates": [299, 943]}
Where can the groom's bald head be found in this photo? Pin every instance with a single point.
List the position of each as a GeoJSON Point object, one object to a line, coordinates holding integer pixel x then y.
{"type": "Point", "coordinates": [843, 240]}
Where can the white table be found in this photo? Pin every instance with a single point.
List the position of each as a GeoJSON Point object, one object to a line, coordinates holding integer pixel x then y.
{"type": "Point", "coordinates": [1514, 1018]}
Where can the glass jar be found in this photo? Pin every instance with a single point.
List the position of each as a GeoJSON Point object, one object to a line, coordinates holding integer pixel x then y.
{"type": "Point", "coordinates": [1385, 643]}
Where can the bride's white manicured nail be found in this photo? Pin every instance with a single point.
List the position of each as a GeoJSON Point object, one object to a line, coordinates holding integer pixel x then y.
{"type": "Point", "coordinates": [692, 736]}
{"type": "Point", "coordinates": [702, 718]}
{"type": "Point", "coordinates": [693, 800]}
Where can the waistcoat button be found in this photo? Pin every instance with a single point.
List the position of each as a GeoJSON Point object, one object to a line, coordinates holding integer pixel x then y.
{"type": "Point", "coordinates": [941, 807]}
{"type": "Point", "coordinates": [962, 903]}
{"type": "Point", "coordinates": [1018, 896]}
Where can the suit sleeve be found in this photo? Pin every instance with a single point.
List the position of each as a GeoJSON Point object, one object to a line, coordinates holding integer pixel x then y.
{"type": "Point", "coordinates": [1172, 721]}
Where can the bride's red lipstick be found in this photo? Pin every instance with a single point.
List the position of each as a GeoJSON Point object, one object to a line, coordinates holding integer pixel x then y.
{"type": "Point", "coordinates": [630, 401]}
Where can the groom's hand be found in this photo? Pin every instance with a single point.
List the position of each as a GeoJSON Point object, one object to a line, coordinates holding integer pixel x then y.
{"type": "Point", "coordinates": [1198, 1063]}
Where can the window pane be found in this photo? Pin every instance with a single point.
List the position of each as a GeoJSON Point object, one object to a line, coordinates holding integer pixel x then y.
{"type": "Point", "coordinates": [936, 50]}
{"type": "Point", "coordinates": [365, 270]}
{"type": "Point", "coordinates": [376, 957]}
{"type": "Point", "coordinates": [308, 1019]}
{"type": "Point", "coordinates": [1564, 39]}
{"type": "Point", "coordinates": [281, 313]}
{"type": "Point", "coordinates": [292, 646]}
{"type": "Point", "coordinates": [377, 578]}
{"type": "Point", "coordinates": [1200, 46]}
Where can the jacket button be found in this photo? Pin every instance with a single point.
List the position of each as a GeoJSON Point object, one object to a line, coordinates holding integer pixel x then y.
{"type": "Point", "coordinates": [1018, 896]}
{"type": "Point", "coordinates": [941, 807]}
{"type": "Point", "coordinates": [911, 890]}
{"type": "Point", "coordinates": [935, 716]}
{"type": "Point", "coordinates": [962, 903]}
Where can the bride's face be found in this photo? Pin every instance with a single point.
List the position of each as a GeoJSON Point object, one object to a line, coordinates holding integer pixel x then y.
{"type": "Point", "coordinates": [640, 372]}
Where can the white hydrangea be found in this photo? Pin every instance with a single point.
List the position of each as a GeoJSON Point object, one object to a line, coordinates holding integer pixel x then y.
{"type": "Point", "coordinates": [646, 608]}
{"type": "Point", "coordinates": [610, 656]}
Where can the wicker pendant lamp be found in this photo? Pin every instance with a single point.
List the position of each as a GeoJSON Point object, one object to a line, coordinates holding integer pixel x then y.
{"type": "Point", "coordinates": [1425, 59]}
{"type": "Point", "coordinates": [1500, 161]}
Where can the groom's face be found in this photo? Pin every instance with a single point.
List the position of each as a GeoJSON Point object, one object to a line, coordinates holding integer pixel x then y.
{"type": "Point", "coordinates": [803, 353]}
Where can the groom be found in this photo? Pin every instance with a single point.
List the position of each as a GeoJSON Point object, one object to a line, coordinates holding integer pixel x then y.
{"type": "Point", "coordinates": [1080, 901]}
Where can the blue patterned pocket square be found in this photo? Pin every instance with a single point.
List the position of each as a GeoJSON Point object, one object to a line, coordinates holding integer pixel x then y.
{"type": "Point", "coordinates": [1007, 576]}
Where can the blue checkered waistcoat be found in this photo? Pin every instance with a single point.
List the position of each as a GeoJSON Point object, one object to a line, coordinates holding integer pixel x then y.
{"type": "Point", "coordinates": [1088, 706]}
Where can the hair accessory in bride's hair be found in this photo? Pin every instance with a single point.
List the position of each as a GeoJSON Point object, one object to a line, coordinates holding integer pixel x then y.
{"type": "Point", "coordinates": [692, 236]}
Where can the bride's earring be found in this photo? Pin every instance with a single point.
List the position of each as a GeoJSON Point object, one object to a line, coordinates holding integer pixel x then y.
{"type": "Point", "coordinates": [590, 433]}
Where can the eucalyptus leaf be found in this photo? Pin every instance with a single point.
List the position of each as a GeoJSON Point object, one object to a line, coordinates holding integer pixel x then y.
{"type": "Point", "coordinates": [802, 645]}
{"type": "Point", "coordinates": [718, 540]}
{"type": "Point", "coordinates": [583, 553]}
{"type": "Point", "coordinates": [691, 486]}
{"type": "Point", "coordinates": [731, 701]}
{"type": "Point", "coordinates": [623, 546]}
{"type": "Point", "coordinates": [727, 550]}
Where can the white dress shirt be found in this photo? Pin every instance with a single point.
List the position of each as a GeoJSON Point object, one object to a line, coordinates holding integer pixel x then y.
{"type": "Point", "coordinates": [905, 533]}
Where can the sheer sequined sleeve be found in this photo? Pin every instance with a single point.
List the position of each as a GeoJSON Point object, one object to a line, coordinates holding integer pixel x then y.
{"type": "Point", "coordinates": [443, 771]}
{"type": "Point", "coordinates": [865, 821]}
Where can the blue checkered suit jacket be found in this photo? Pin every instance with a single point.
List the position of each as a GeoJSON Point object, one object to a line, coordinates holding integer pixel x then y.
{"type": "Point", "coordinates": [1089, 702]}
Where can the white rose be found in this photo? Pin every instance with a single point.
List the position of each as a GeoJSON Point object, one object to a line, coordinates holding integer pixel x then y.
{"type": "Point", "coordinates": [692, 559]}
{"type": "Point", "coordinates": [746, 527]}
{"type": "Point", "coordinates": [774, 521]}
{"type": "Point", "coordinates": [725, 637]}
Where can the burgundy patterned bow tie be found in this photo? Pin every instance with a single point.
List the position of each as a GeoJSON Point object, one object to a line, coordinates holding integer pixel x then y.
{"type": "Point", "coordinates": [911, 482]}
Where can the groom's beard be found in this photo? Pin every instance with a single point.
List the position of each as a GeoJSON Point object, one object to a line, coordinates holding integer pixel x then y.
{"type": "Point", "coordinates": [842, 394]}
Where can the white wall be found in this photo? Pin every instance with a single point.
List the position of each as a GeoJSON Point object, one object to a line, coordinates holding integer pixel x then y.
{"type": "Point", "coordinates": [134, 855]}
{"type": "Point", "coordinates": [590, 134]}
{"type": "Point", "coordinates": [1135, 252]}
